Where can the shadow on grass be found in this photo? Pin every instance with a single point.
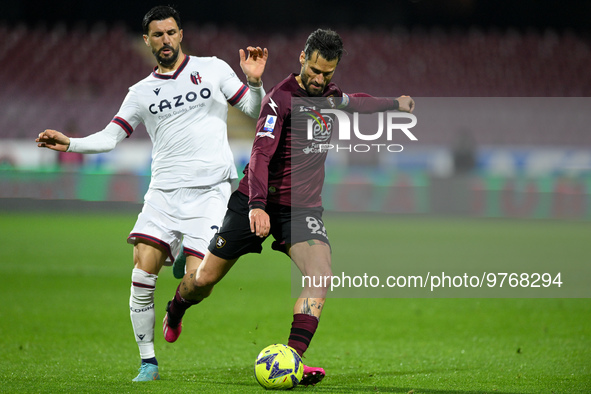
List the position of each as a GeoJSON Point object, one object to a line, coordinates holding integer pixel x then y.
{"type": "Point", "coordinates": [385, 389]}
{"type": "Point", "coordinates": [238, 380]}
{"type": "Point", "coordinates": [361, 383]}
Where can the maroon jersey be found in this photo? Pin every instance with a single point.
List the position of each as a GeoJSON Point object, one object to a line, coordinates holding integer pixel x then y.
{"type": "Point", "coordinates": [286, 167]}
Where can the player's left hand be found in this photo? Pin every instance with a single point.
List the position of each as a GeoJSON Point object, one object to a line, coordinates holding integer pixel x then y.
{"type": "Point", "coordinates": [253, 64]}
{"type": "Point", "coordinates": [406, 104]}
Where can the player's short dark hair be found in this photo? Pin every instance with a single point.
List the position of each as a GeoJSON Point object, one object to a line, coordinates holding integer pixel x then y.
{"type": "Point", "coordinates": [327, 42]}
{"type": "Point", "coordinates": [160, 13]}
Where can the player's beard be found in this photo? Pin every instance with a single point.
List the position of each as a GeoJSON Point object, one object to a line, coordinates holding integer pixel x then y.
{"type": "Point", "coordinates": [306, 83]}
{"type": "Point", "coordinates": [167, 61]}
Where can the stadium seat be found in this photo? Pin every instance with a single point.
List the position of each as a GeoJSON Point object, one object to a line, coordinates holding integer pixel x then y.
{"type": "Point", "coordinates": [41, 90]}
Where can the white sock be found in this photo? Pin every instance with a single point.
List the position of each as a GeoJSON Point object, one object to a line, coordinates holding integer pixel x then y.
{"type": "Point", "coordinates": [143, 316]}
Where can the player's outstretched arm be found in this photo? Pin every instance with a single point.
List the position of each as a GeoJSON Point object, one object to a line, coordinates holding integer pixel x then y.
{"type": "Point", "coordinates": [253, 65]}
{"type": "Point", "coordinates": [406, 104]}
{"type": "Point", "coordinates": [54, 140]}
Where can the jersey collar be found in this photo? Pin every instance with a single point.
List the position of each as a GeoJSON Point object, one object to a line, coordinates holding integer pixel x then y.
{"type": "Point", "coordinates": [176, 73]}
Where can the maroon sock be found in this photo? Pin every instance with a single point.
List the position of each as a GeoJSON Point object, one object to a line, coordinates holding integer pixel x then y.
{"type": "Point", "coordinates": [177, 307]}
{"type": "Point", "coordinates": [303, 328]}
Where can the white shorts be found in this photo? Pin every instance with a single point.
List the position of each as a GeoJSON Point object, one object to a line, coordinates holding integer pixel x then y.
{"type": "Point", "coordinates": [187, 217]}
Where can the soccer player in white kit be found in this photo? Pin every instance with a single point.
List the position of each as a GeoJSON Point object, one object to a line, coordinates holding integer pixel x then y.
{"type": "Point", "coordinates": [183, 104]}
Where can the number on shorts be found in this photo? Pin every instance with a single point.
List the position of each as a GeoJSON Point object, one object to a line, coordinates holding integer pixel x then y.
{"type": "Point", "coordinates": [316, 226]}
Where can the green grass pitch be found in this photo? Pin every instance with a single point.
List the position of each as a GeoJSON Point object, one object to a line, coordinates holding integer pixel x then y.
{"type": "Point", "coordinates": [64, 320]}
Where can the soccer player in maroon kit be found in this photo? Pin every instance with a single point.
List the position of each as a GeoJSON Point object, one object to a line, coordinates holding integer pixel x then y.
{"type": "Point", "coordinates": [271, 200]}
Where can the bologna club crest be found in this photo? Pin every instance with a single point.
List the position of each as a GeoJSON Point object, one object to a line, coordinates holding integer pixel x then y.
{"type": "Point", "coordinates": [195, 77]}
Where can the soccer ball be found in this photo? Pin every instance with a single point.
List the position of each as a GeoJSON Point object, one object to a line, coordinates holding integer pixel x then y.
{"type": "Point", "coordinates": [278, 367]}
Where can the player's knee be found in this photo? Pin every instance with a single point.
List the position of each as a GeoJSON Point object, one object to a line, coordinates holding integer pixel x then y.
{"type": "Point", "coordinates": [322, 277]}
{"type": "Point", "coordinates": [327, 272]}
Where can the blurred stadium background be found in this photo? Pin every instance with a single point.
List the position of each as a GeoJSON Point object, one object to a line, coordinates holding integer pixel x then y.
{"type": "Point", "coordinates": [474, 66]}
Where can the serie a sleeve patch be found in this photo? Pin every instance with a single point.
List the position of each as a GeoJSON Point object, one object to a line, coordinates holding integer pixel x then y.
{"type": "Point", "coordinates": [270, 123]}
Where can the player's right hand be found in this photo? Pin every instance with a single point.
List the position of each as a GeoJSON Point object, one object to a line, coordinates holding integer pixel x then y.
{"type": "Point", "coordinates": [53, 139]}
{"type": "Point", "coordinates": [253, 63]}
{"type": "Point", "coordinates": [260, 224]}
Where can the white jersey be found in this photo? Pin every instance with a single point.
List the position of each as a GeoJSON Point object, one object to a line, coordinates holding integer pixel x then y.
{"type": "Point", "coordinates": [185, 114]}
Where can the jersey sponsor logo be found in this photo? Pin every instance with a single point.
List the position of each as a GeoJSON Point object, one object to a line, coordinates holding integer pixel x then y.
{"type": "Point", "coordinates": [315, 148]}
{"type": "Point", "coordinates": [157, 90]}
{"type": "Point", "coordinates": [319, 130]}
{"type": "Point", "coordinates": [319, 126]}
{"type": "Point", "coordinates": [220, 242]}
{"type": "Point", "coordinates": [195, 77]}
{"type": "Point", "coordinates": [178, 101]}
